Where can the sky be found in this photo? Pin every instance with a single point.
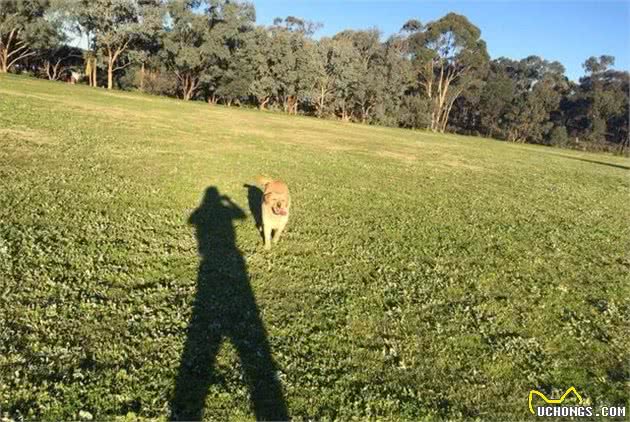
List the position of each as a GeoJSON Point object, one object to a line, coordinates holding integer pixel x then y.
{"type": "Point", "coordinates": [563, 30]}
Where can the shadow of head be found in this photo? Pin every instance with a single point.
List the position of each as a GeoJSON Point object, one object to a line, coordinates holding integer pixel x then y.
{"type": "Point", "coordinates": [254, 200]}
{"type": "Point", "coordinates": [213, 222]}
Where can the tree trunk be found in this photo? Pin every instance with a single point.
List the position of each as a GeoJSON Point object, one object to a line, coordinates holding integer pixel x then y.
{"type": "Point", "coordinates": [19, 51]}
{"type": "Point", "coordinates": [112, 57]}
{"type": "Point", "coordinates": [142, 77]}
{"type": "Point", "coordinates": [94, 83]}
{"type": "Point", "coordinates": [48, 70]}
{"type": "Point", "coordinates": [292, 104]}
{"type": "Point", "coordinates": [440, 107]}
{"type": "Point", "coordinates": [110, 73]}
{"type": "Point", "coordinates": [189, 85]}
{"type": "Point", "coordinates": [320, 108]}
{"type": "Point", "coordinates": [52, 70]}
{"type": "Point", "coordinates": [4, 60]}
{"type": "Point", "coordinates": [345, 117]}
{"type": "Point", "coordinates": [4, 54]}
{"type": "Point", "coordinates": [624, 144]}
{"type": "Point", "coordinates": [262, 104]}
{"type": "Point", "coordinates": [433, 116]}
{"type": "Point", "coordinates": [444, 117]}
{"type": "Point", "coordinates": [88, 69]}
{"type": "Point", "coordinates": [56, 72]}
{"type": "Point", "coordinates": [365, 113]}
{"type": "Point", "coordinates": [428, 86]}
{"type": "Point", "coordinates": [186, 94]}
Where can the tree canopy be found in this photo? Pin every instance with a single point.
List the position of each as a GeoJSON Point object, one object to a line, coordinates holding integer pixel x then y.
{"type": "Point", "coordinates": [26, 26]}
{"type": "Point", "coordinates": [431, 75]}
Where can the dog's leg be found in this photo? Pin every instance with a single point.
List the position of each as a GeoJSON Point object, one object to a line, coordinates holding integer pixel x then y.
{"type": "Point", "coordinates": [278, 232]}
{"type": "Point", "coordinates": [267, 233]}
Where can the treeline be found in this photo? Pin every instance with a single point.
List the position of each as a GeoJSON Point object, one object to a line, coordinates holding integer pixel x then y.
{"type": "Point", "coordinates": [436, 75]}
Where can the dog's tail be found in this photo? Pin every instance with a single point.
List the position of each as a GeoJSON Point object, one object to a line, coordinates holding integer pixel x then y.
{"type": "Point", "coordinates": [263, 180]}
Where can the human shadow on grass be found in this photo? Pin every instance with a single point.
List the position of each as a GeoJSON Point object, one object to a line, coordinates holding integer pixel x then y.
{"type": "Point", "coordinates": [224, 308]}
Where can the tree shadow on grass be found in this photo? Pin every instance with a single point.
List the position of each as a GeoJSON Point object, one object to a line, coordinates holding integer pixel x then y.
{"type": "Point", "coordinates": [224, 307]}
{"type": "Point", "coordinates": [603, 163]}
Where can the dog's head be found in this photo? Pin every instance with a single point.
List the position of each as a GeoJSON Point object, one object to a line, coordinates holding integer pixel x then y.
{"type": "Point", "coordinates": [279, 202]}
{"type": "Point", "coordinates": [277, 197]}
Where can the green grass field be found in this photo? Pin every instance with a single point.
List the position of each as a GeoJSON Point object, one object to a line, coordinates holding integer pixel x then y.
{"type": "Point", "coordinates": [421, 276]}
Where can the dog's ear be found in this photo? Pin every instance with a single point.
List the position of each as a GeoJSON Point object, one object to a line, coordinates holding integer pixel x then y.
{"type": "Point", "coordinates": [263, 180]}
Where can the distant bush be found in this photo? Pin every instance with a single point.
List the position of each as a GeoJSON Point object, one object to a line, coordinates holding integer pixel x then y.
{"type": "Point", "coordinates": [415, 112]}
{"type": "Point", "coordinates": [558, 136]}
{"type": "Point", "coordinates": [156, 82]}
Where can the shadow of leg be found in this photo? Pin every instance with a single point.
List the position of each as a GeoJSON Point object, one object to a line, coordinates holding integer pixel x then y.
{"type": "Point", "coordinates": [196, 372]}
{"type": "Point", "coordinates": [260, 370]}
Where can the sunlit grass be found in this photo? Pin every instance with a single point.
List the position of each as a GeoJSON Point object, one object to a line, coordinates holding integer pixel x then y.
{"type": "Point", "coordinates": [421, 275]}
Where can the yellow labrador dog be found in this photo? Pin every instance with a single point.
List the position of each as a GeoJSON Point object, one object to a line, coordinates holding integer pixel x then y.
{"type": "Point", "coordinates": [275, 208]}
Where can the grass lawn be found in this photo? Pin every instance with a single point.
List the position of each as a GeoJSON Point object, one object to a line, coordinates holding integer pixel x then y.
{"type": "Point", "coordinates": [421, 276]}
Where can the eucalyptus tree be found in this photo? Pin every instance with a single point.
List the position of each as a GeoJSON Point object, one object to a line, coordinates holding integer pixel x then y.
{"type": "Point", "coordinates": [58, 59]}
{"type": "Point", "coordinates": [230, 49]}
{"type": "Point", "coordinates": [345, 70]}
{"type": "Point", "coordinates": [184, 51]}
{"type": "Point", "coordinates": [398, 79]}
{"type": "Point", "coordinates": [598, 110]}
{"type": "Point", "coordinates": [496, 96]}
{"type": "Point", "coordinates": [370, 69]}
{"type": "Point", "coordinates": [25, 28]}
{"type": "Point", "coordinates": [538, 88]}
{"type": "Point", "coordinates": [263, 85]}
{"type": "Point", "coordinates": [298, 25]}
{"type": "Point", "coordinates": [323, 86]}
{"type": "Point", "coordinates": [111, 26]}
{"type": "Point", "coordinates": [235, 76]}
{"type": "Point", "coordinates": [465, 115]}
{"type": "Point", "coordinates": [292, 61]}
{"type": "Point", "coordinates": [448, 55]}
{"type": "Point", "coordinates": [598, 87]}
{"type": "Point", "coordinates": [149, 42]}
{"type": "Point", "coordinates": [308, 72]}
{"type": "Point", "coordinates": [595, 65]}
{"type": "Point", "coordinates": [307, 60]}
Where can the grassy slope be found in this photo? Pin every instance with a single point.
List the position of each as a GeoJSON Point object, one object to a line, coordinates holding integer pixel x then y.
{"type": "Point", "coordinates": [421, 275]}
